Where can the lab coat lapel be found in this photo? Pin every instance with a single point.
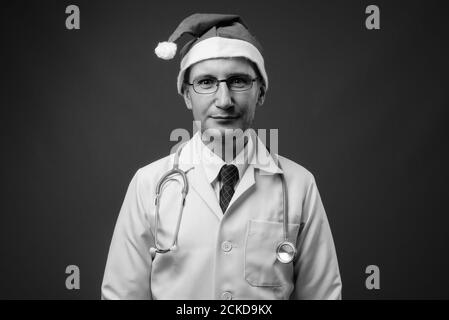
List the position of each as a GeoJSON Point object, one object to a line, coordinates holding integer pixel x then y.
{"type": "Point", "coordinates": [265, 165]}
{"type": "Point", "coordinates": [189, 161]}
{"type": "Point", "coordinates": [205, 191]}
{"type": "Point", "coordinates": [246, 183]}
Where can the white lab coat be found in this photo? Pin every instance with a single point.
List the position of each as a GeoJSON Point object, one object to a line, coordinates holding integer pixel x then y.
{"type": "Point", "coordinates": [222, 256]}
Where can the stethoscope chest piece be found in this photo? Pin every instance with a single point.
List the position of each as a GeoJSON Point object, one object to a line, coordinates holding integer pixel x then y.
{"type": "Point", "coordinates": [285, 252]}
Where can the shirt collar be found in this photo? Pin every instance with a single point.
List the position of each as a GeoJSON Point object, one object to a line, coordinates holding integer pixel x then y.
{"type": "Point", "coordinates": [256, 154]}
{"type": "Point", "coordinates": [212, 163]}
{"type": "Point", "coordinates": [263, 160]}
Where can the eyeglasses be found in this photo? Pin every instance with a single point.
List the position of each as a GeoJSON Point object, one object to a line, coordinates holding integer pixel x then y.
{"type": "Point", "coordinates": [208, 85]}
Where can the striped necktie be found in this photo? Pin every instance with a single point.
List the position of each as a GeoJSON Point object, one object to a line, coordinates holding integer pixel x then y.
{"type": "Point", "coordinates": [229, 175]}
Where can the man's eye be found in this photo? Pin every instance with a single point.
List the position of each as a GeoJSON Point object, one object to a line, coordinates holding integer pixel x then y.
{"type": "Point", "coordinates": [238, 81]}
{"type": "Point", "coordinates": [206, 82]}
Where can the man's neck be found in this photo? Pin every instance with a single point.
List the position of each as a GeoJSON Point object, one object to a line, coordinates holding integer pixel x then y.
{"type": "Point", "coordinates": [227, 148]}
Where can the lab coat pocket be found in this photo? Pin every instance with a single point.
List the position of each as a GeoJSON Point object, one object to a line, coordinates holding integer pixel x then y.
{"type": "Point", "coordinates": [261, 265]}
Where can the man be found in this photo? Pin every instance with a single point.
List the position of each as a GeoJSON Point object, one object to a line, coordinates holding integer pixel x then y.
{"type": "Point", "coordinates": [252, 225]}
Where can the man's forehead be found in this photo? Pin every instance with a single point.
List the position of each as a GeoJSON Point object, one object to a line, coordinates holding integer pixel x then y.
{"type": "Point", "coordinates": [222, 66]}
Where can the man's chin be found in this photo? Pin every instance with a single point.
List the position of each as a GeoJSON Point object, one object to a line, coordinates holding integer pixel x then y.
{"type": "Point", "coordinates": [224, 131]}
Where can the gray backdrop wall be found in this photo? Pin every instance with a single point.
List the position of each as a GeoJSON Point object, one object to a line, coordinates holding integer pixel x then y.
{"type": "Point", "coordinates": [365, 111]}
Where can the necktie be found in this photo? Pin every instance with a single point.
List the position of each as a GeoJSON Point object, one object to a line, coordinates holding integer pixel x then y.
{"type": "Point", "coordinates": [229, 175]}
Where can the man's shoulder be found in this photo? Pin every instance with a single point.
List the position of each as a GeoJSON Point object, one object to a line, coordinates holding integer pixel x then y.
{"type": "Point", "coordinates": [294, 170]}
{"type": "Point", "coordinates": [156, 168]}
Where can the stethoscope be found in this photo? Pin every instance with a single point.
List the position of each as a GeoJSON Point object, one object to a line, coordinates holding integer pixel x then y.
{"type": "Point", "coordinates": [285, 250]}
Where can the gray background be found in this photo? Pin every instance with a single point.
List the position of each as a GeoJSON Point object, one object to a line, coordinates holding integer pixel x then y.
{"type": "Point", "coordinates": [365, 111]}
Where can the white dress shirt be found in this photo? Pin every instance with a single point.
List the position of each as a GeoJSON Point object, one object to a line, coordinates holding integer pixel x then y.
{"type": "Point", "coordinates": [212, 163]}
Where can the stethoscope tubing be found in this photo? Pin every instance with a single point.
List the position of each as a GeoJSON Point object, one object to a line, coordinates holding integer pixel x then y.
{"type": "Point", "coordinates": [168, 176]}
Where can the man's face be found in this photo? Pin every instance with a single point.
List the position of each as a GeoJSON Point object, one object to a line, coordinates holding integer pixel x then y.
{"type": "Point", "coordinates": [224, 109]}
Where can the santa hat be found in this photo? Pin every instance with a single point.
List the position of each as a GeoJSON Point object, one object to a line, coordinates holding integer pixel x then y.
{"type": "Point", "coordinates": [216, 36]}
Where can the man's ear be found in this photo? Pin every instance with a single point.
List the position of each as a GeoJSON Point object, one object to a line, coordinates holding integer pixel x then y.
{"type": "Point", "coordinates": [261, 98]}
{"type": "Point", "coordinates": [186, 95]}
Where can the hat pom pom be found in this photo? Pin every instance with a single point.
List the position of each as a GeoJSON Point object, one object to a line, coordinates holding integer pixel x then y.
{"type": "Point", "coordinates": [166, 50]}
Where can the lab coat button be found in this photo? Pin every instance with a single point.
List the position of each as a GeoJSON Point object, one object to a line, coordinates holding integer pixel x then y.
{"type": "Point", "coordinates": [226, 295]}
{"type": "Point", "coordinates": [226, 246]}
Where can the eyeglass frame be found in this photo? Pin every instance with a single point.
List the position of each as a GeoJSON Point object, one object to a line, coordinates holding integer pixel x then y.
{"type": "Point", "coordinates": [224, 80]}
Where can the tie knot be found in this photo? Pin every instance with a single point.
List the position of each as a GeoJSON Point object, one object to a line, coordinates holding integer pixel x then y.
{"type": "Point", "coordinates": [229, 175]}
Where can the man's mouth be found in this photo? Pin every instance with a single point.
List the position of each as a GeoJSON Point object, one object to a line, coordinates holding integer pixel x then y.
{"type": "Point", "coordinates": [225, 117]}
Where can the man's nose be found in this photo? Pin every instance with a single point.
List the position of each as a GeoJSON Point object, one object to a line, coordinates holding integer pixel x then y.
{"type": "Point", "coordinates": [223, 96]}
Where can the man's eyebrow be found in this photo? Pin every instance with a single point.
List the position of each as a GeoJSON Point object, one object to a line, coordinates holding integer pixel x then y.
{"type": "Point", "coordinates": [233, 74]}
{"type": "Point", "coordinates": [228, 75]}
{"type": "Point", "coordinates": [203, 75]}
